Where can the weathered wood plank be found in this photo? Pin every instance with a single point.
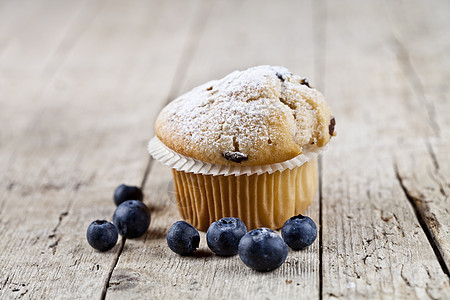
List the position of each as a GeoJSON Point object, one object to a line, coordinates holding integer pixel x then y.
{"type": "Point", "coordinates": [86, 117]}
{"type": "Point", "coordinates": [80, 86]}
{"type": "Point", "coordinates": [237, 35]}
{"type": "Point", "coordinates": [425, 171]}
{"type": "Point", "coordinates": [373, 244]}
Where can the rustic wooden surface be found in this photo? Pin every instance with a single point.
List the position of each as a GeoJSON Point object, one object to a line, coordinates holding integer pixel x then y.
{"type": "Point", "coordinates": [81, 83]}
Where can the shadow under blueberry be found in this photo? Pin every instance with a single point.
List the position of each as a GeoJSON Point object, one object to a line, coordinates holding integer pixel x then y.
{"type": "Point", "coordinates": [202, 253]}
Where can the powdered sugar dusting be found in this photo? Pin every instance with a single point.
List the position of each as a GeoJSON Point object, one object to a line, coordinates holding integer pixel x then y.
{"type": "Point", "coordinates": [254, 112]}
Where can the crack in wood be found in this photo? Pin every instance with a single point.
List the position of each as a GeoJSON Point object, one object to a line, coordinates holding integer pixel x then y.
{"type": "Point", "coordinates": [436, 175]}
{"type": "Point", "coordinates": [320, 231]}
{"type": "Point", "coordinates": [61, 217]}
{"type": "Point", "coordinates": [53, 235]}
{"type": "Point", "coordinates": [421, 219]}
{"type": "Point", "coordinates": [319, 19]}
{"type": "Point", "coordinates": [55, 229]}
{"type": "Point", "coordinates": [428, 293]}
{"type": "Point", "coordinates": [16, 287]}
{"type": "Point", "coordinates": [4, 283]}
{"type": "Point", "coordinates": [54, 244]}
{"type": "Point", "coordinates": [106, 283]}
{"type": "Point", "coordinates": [405, 279]}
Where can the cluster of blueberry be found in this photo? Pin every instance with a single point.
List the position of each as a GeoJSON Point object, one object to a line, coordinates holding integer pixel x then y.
{"type": "Point", "coordinates": [261, 249]}
{"type": "Point", "coordinates": [131, 219]}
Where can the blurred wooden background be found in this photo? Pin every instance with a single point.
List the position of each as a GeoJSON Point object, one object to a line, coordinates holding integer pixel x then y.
{"type": "Point", "coordinates": [81, 83]}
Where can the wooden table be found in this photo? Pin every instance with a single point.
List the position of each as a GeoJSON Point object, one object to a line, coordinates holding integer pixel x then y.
{"type": "Point", "coordinates": [81, 83]}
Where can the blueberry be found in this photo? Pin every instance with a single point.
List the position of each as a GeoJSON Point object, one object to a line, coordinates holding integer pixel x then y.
{"type": "Point", "coordinates": [132, 218]}
{"type": "Point", "coordinates": [223, 236]}
{"type": "Point", "coordinates": [299, 232]}
{"type": "Point", "coordinates": [126, 192]}
{"type": "Point", "coordinates": [102, 235]}
{"type": "Point", "coordinates": [183, 238]}
{"type": "Point", "coordinates": [262, 249]}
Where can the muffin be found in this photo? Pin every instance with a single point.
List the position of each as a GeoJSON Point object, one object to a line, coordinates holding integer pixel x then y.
{"type": "Point", "coordinates": [244, 146]}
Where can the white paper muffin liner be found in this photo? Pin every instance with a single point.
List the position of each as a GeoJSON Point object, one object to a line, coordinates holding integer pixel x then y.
{"type": "Point", "coordinates": [179, 162]}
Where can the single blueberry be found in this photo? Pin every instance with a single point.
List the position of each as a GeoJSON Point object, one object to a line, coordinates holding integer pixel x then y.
{"type": "Point", "coordinates": [126, 192]}
{"type": "Point", "coordinates": [262, 249]}
{"type": "Point", "coordinates": [223, 236]}
{"type": "Point", "coordinates": [132, 218]}
{"type": "Point", "coordinates": [102, 235]}
{"type": "Point", "coordinates": [183, 238]}
{"type": "Point", "coordinates": [299, 232]}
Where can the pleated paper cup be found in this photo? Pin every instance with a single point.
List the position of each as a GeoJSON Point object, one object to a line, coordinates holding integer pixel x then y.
{"type": "Point", "coordinates": [261, 196]}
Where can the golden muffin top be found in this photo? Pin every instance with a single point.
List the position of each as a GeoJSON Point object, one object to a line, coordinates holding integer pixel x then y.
{"type": "Point", "coordinates": [259, 116]}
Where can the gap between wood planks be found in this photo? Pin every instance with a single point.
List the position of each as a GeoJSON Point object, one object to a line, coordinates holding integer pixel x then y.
{"type": "Point", "coordinates": [319, 19]}
{"type": "Point", "coordinates": [421, 219]}
{"type": "Point", "coordinates": [412, 77]}
{"type": "Point", "coordinates": [195, 32]}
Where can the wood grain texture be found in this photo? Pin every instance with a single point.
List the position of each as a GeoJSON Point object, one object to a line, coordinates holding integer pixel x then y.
{"type": "Point", "coordinates": [424, 170]}
{"type": "Point", "coordinates": [373, 243]}
{"type": "Point", "coordinates": [77, 130]}
{"type": "Point", "coordinates": [81, 83]}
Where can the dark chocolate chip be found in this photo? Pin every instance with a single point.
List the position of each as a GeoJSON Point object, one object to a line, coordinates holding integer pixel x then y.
{"type": "Point", "coordinates": [331, 127]}
{"type": "Point", "coordinates": [209, 88]}
{"type": "Point", "coordinates": [236, 157]}
{"type": "Point", "coordinates": [305, 81]}
{"type": "Point", "coordinates": [280, 76]}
